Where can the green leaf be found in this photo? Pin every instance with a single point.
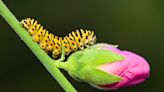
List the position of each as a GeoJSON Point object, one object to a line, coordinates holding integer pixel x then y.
{"type": "Point", "coordinates": [98, 77]}
{"type": "Point", "coordinates": [97, 57]}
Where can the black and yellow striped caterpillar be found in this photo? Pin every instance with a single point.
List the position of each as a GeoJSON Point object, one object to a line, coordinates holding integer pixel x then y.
{"type": "Point", "coordinates": [52, 44]}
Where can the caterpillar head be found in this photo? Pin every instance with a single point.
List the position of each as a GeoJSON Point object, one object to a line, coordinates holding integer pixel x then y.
{"type": "Point", "coordinates": [26, 23]}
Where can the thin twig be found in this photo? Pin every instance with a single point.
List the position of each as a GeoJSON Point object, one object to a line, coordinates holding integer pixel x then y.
{"type": "Point", "coordinates": [40, 54]}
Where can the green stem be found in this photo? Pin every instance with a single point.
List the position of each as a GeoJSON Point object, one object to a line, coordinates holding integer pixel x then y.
{"type": "Point", "coordinates": [62, 65]}
{"type": "Point", "coordinates": [40, 54]}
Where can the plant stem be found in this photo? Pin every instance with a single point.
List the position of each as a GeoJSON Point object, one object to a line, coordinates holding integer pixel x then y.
{"type": "Point", "coordinates": [40, 54]}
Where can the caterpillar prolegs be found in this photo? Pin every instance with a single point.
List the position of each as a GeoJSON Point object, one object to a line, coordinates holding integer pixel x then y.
{"type": "Point", "coordinates": [50, 43]}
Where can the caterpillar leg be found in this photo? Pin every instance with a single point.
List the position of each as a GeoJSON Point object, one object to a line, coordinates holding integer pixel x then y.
{"type": "Point", "coordinates": [62, 57]}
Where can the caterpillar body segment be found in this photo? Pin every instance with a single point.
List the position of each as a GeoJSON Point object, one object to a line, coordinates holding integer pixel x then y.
{"type": "Point", "coordinates": [52, 44]}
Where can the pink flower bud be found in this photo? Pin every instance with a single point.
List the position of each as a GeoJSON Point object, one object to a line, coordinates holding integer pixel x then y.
{"type": "Point", "coordinates": [134, 69]}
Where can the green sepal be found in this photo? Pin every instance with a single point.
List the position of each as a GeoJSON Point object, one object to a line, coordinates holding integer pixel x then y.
{"type": "Point", "coordinates": [82, 65]}
{"type": "Point", "coordinates": [96, 57]}
{"type": "Point", "coordinates": [95, 76]}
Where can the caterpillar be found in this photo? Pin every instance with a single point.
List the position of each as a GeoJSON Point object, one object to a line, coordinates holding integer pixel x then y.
{"type": "Point", "coordinates": [52, 44]}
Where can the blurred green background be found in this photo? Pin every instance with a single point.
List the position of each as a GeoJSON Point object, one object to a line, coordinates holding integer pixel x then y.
{"type": "Point", "coordinates": [135, 25]}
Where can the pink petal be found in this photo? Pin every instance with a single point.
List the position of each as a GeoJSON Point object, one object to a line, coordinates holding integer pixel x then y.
{"type": "Point", "coordinates": [134, 69]}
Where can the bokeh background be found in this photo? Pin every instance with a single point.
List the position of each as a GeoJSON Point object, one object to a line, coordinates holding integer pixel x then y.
{"type": "Point", "coordinates": [135, 25]}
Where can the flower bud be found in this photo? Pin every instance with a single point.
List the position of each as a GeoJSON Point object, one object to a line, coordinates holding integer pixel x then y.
{"type": "Point", "coordinates": [134, 69]}
{"type": "Point", "coordinates": [104, 66]}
